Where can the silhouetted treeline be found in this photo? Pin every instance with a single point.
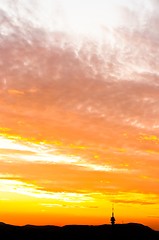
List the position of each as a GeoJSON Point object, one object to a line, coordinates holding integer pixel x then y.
{"type": "Point", "coordinates": [130, 231]}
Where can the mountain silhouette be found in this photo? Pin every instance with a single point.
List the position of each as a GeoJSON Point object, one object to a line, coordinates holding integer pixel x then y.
{"type": "Point", "coordinates": [128, 231]}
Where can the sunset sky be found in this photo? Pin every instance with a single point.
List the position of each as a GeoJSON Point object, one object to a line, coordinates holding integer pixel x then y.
{"type": "Point", "coordinates": [79, 111]}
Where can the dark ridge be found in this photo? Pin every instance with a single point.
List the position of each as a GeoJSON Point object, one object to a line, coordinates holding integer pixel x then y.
{"type": "Point", "coordinates": [130, 231]}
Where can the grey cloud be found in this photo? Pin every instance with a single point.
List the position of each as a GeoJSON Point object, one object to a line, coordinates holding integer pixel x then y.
{"type": "Point", "coordinates": [136, 202]}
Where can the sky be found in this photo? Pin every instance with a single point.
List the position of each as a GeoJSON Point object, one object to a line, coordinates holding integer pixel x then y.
{"type": "Point", "coordinates": [79, 110]}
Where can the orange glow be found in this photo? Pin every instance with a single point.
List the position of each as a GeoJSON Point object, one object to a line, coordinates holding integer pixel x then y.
{"type": "Point", "coordinates": [51, 193]}
{"type": "Point", "coordinates": [79, 112]}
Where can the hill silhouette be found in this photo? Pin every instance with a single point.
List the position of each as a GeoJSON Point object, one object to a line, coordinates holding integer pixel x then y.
{"type": "Point", "coordinates": [128, 231]}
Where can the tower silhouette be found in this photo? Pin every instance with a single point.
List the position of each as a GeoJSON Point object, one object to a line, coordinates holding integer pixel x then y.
{"type": "Point", "coordinates": [112, 219]}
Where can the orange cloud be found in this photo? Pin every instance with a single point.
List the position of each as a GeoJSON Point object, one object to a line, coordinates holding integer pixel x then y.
{"type": "Point", "coordinates": [79, 110]}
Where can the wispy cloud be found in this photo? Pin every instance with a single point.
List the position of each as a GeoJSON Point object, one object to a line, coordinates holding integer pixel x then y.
{"type": "Point", "coordinates": [13, 150]}
{"type": "Point", "coordinates": [79, 98]}
{"type": "Point", "coordinates": [15, 186]}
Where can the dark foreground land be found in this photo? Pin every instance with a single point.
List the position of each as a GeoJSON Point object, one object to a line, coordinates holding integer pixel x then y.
{"type": "Point", "coordinates": [130, 231]}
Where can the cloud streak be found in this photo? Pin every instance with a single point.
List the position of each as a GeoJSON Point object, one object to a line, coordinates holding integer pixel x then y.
{"type": "Point", "coordinates": [79, 98]}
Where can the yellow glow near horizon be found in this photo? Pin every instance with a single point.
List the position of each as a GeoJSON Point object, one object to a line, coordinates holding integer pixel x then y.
{"type": "Point", "coordinates": [10, 183]}
{"type": "Point", "coordinates": [79, 111]}
{"type": "Point", "coordinates": [19, 187]}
